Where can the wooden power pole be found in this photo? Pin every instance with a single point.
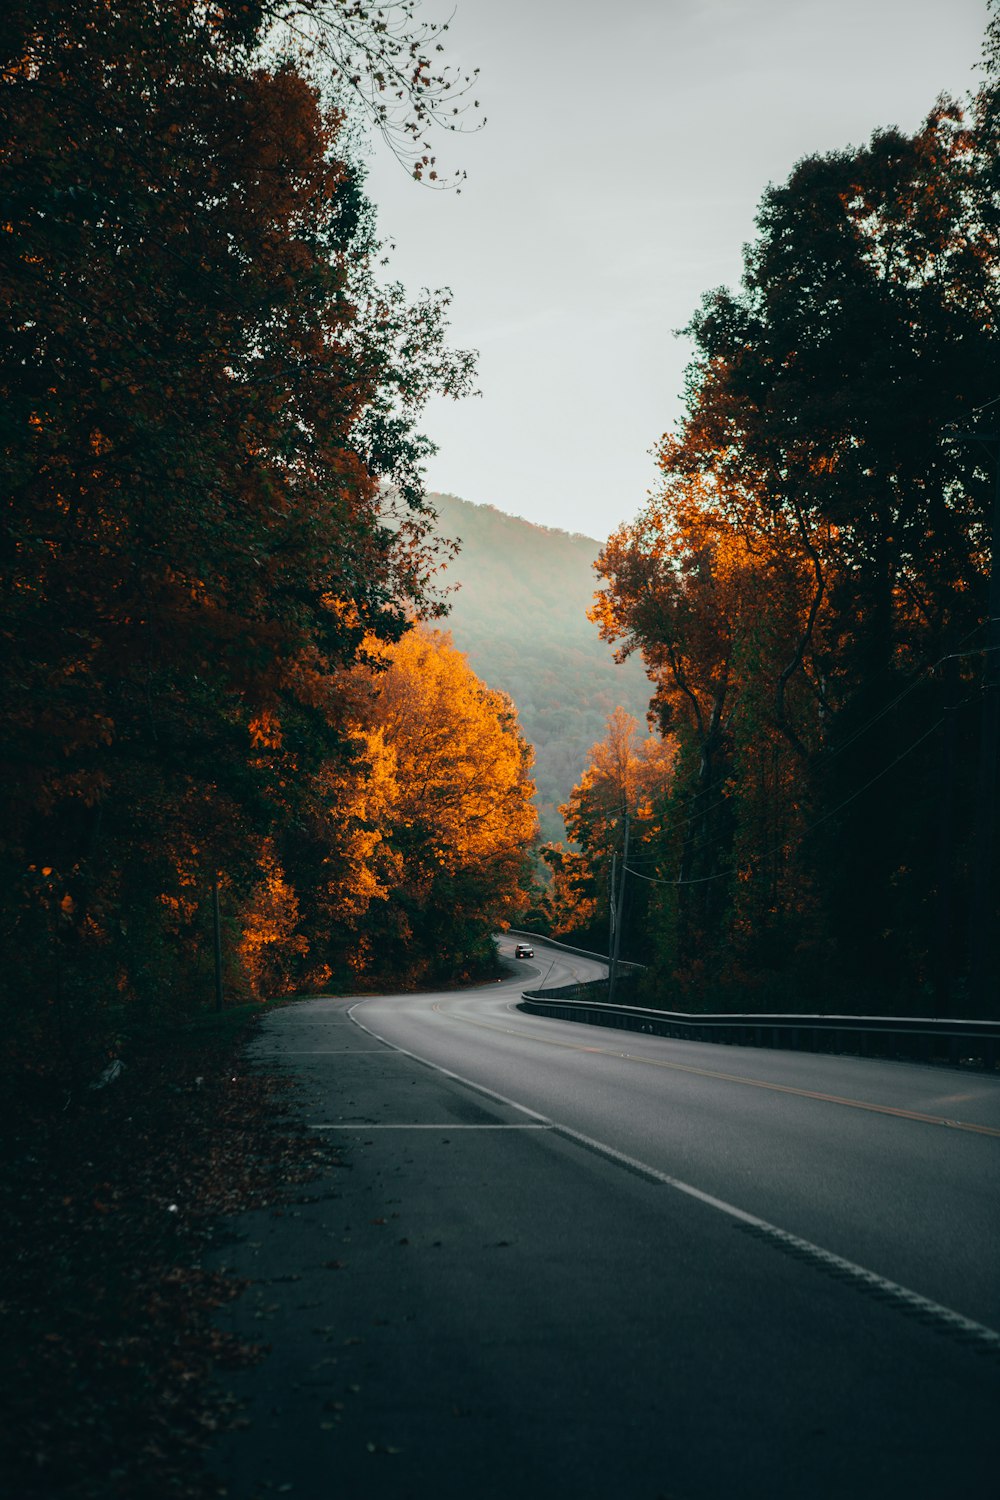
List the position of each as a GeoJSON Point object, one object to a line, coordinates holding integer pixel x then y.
{"type": "Point", "coordinates": [618, 920]}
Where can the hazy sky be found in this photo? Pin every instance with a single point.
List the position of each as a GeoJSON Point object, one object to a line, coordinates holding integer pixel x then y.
{"type": "Point", "coordinates": [626, 149]}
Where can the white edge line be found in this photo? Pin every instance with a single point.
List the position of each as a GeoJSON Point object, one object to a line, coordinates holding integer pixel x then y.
{"type": "Point", "coordinates": [947, 1317]}
{"type": "Point", "coordinates": [363, 1129]}
{"type": "Point", "coordinates": [492, 1094]}
{"type": "Point", "coordinates": [955, 1321]}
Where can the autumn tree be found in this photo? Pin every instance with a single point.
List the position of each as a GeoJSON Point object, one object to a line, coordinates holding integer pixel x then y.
{"type": "Point", "coordinates": [422, 852]}
{"type": "Point", "coordinates": [204, 390]}
{"type": "Point", "coordinates": [708, 586]}
{"type": "Point", "coordinates": [809, 584]}
{"type": "Point", "coordinates": [629, 773]}
{"type": "Point", "coordinates": [864, 330]}
{"type": "Point", "coordinates": [415, 849]}
{"type": "Point", "coordinates": [461, 821]}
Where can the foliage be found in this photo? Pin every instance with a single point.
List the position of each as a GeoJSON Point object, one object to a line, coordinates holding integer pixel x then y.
{"type": "Point", "coordinates": [518, 608]}
{"type": "Point", "coordinates": [459, 820]}
{"type": "Point", "coordinates": [808, 587]}
{"type": "Point", "coordinates": [386, 61]}
{"type": "Point", "coordinates": [415, 847]}
{"type": "Point", "coordinates": [111, 1368]}
{"type": "Point", "coordinates": [204, 390]}
{"type": "Point", "coordinates": [627, 774]}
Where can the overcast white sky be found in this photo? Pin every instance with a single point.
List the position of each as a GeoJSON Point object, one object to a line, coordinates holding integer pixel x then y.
{"type": "Point", "coordinates": [626, 149]}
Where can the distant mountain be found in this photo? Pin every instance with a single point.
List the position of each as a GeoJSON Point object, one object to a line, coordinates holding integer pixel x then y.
{"type": "Point", "coordinates": [520, 615]}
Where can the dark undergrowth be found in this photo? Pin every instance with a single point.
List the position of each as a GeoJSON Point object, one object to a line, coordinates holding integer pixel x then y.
{"type": "Point", "coordinates": [112, 1371]}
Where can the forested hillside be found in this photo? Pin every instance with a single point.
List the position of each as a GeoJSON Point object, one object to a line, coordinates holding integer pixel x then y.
{"type": "Point", "coordinates": [520, 613]}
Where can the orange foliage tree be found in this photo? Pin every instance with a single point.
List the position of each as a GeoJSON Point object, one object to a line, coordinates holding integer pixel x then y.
{"type": "Point", "coordinates": [459, 819]}
{"type": "Point", "coordinates": [711, 588]}
{"type": "Point", "coordinates": [417, 839]}
{"type": "Point", "coordinates": [808, 587]}
{"type": "Point", "coordinates": [628, 772]}
{"type": "Point", "coordinates": [415, 845]}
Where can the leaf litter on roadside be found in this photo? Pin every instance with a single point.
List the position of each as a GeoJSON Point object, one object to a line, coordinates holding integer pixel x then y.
{"type": "Point", "coordinates": [110, 1366]}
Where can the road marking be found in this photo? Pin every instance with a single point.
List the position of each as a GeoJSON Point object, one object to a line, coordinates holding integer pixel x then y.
{"type": "Point", "coordinates": [328, 1052]}
{"type": "Point", "coordinates": [945, 1319]}
{"type": "Point", "coordinates": [756, 1083]}
{"type": "Point", "coordinates": [388, 1126]}
{"type": "Point", "coordinates": [479, 1088]}
{"type": "Point", "coordinates": [903, 1297]}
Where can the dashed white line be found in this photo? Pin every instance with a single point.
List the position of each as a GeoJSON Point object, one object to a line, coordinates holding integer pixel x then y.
{"type": "Point", "coordinates": [382, 1125]}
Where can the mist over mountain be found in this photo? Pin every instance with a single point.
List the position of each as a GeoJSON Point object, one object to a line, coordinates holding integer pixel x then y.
{"type": "Point", "coordinates": [520, 614]}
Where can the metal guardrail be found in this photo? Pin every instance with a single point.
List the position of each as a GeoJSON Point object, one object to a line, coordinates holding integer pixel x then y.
{"type": "Point", "coordinates": [975, 1043]}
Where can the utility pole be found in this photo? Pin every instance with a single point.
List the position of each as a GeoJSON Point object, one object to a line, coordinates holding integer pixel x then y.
{"type": "Point", "coordinates": [982, 984]}
{"type": "Point", "coordinates": [217, 923]}
{"type": "Point", "coordinates": [618, 924]}
{"type": "Point", "coordinates": [611, 907]}
{"type": "Point", "coordinates": [943, 946]}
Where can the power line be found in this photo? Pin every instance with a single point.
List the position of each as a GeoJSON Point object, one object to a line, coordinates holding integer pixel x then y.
{"type": "Point", "coordinates": [827, 754]}
{"type": "Point", "coordinates": [830, 751]}
{"type": "Point", "coordinates": [985, 406]}
{"type": "Point", "coordinates": [723, 874]}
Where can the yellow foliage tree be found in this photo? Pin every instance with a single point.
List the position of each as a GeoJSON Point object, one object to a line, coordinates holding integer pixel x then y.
{"type": "Point", "coordinates": [411, 847]}
{"type": "Point", "coordinates": [455, 768]}
{"type": "Point", "coordinates": [270, 917]}
{"type": "Point", "coordinates": [628, 772]}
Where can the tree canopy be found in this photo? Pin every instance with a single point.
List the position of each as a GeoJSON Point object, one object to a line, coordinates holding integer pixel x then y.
{"type": "Point", "coordinates": [808, 587]}
{"type": "Point", "coordinates": [629, 774]}
{"type": "Point", "coordinates": [204, 391]}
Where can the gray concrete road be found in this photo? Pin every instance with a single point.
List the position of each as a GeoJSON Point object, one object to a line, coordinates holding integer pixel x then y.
{"type": "Point", "coordinates": [565, 1261]}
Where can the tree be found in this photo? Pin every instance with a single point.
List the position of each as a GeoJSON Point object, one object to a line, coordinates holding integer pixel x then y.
{"type": "Point", "coordinates": [459, 817]}
{"type": "Point", "coordinates": [628, 773]}
{"type": "Point", "coordinates": [815, 554]}
{"type": "Point", "coordinates": [202, 392]}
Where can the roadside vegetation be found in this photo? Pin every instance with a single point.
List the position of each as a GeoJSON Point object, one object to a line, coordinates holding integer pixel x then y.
{"type": "Point", "coordinates": [217, 551]}
{"type": "Point", "coordinates": [223, 688]}
{"type": "Point", "coordinates": [113, 1371]}
{"type": "Point", "coordinates": [809, 590]}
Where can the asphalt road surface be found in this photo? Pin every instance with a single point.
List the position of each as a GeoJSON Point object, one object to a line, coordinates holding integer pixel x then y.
{"type": "Point", "coordinates": [560, 1260]}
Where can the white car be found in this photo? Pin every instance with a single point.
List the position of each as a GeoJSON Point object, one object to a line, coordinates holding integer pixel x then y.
{"type": "Point", "coordinates": [524, 951]}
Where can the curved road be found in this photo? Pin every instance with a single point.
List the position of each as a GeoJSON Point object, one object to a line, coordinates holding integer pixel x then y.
{"type": "Point", "coordinates": [563, 1261]}
{"type": "Point", "coordinates": [892, 1166]}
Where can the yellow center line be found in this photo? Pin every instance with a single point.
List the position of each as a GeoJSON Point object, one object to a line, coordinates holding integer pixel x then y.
{"type": "Point", "coordinates": [755, 1083]}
